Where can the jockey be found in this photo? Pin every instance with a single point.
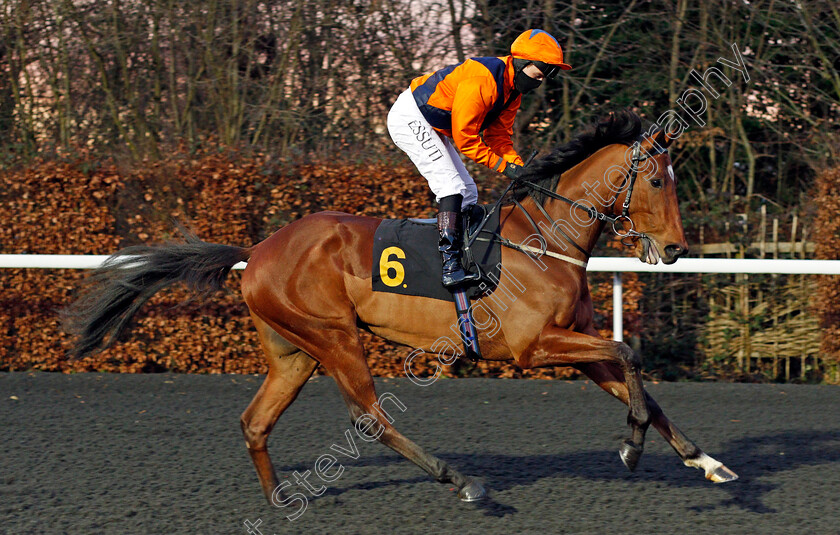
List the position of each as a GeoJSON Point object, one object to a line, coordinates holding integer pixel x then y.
{"type": "Point", "coordinates": [448, 110]}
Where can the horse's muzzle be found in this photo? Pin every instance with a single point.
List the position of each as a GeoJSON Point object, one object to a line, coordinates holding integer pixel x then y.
{"type": "Point", "coordinates": [673, 252]}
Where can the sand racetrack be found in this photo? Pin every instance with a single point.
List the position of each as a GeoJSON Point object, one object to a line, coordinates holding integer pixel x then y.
{"type": "Point", "coordinates": [105, 453]}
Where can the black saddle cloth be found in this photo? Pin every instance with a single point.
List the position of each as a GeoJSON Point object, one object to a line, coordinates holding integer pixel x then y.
{"type": "Point", "coordinates": [406, 259]}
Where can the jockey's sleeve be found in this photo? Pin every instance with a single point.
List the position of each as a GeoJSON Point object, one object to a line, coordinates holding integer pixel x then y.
{"type": "Point", "coordinates": [498, 134]}
{"type": "Point", "coordinates": [473, 99]}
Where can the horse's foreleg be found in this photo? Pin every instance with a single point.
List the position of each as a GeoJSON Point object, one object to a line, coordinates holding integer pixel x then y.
{"type": "Point", "coordinates": [609, 377]}
{"type": "Point", "coordinates": [562, 347]}
{"type": "Point", "coordinates": [373, 418]}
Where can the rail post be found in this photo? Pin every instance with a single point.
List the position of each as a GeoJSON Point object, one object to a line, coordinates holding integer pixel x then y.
{"type": "Point", "coordinates": [618, 311]}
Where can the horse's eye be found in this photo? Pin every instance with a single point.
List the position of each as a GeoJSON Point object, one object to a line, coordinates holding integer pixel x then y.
{"type": "Point", "coordinates": [657, 183]}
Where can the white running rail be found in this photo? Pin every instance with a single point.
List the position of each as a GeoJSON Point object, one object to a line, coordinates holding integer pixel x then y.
{"type": "Point", "coordinates": [598, 263]}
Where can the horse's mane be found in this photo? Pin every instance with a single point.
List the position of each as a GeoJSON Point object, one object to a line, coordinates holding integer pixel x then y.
{"type": "Point", "coordinates": [623, 127]}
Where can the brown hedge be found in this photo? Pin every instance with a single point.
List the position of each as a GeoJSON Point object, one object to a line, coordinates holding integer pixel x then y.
{"type": "Point", "coordinates": [82, 207]}
{"type": "Point", "coordinates": [827, 238]}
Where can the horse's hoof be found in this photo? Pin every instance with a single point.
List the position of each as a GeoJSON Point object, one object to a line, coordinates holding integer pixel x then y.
{"type": "Point", "coordinates": [722, 474]}
{"type": "Point", "coordinates": [472, 492]}
{"type": "Point", "coordinates": [630, 454]}
{"type": "Point", "coordinates": [716, 472]}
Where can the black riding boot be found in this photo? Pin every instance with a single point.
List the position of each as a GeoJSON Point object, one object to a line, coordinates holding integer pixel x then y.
{"type": "Point", "coordinates": [451, 238]}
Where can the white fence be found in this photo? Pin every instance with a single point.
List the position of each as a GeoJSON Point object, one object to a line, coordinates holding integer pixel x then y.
{"type": "Point", "coordinates": [702, 265]}
{"type": "Point", "coordinates": [608, 264]}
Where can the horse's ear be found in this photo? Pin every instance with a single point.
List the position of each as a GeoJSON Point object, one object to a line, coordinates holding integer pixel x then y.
{"type": "Point", "coordinates": [663, 139]}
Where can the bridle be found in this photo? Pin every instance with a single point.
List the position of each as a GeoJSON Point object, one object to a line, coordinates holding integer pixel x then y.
{"type": "Point", "coordinates": [614, 221]}
{"type": "Point", "coordinates": [627, 237]}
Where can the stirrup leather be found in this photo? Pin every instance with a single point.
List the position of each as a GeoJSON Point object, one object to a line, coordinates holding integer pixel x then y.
{"type": "Point", "coordinates": [466, 325]}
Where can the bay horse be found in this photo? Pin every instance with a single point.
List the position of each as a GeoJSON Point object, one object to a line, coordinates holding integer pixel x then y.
{"type": "Point", "coordinates": [308, 290]}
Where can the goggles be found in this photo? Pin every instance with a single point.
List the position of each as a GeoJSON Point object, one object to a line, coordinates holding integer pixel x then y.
{"type": "Point", "coordinates": [549, 71]}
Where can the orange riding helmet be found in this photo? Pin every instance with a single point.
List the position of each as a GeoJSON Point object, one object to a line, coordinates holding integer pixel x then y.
{"type": "Point", "coordinates": [541, 49]}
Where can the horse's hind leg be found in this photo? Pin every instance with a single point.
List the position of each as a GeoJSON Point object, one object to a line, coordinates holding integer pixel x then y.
{"type": "Point", "coordinates": [609, 377]}
{"type": "Point", "coordinates": [289, 368]}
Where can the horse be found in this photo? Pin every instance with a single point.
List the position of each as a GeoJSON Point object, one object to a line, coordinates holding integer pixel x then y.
{"type": "Point", "coordinates": [308, 290]}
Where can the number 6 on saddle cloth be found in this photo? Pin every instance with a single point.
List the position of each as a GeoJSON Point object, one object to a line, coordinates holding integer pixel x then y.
{"type": "Point", "coordinates": [406, 261]}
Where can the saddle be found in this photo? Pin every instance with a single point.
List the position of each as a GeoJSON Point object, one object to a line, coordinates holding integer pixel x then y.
{"type": "Point", "coordinates": [406, 259]}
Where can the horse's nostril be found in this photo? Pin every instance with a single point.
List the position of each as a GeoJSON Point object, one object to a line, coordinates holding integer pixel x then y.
{"type": "Point", "coordinates": [675, 250]}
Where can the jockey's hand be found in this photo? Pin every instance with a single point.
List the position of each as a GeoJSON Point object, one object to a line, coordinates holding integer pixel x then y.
{"type": "Point", "coordinates": [513, 171]}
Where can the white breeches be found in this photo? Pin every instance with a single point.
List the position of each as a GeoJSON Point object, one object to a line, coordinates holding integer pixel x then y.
{"type": "Point", "coordinates": [435, 156]}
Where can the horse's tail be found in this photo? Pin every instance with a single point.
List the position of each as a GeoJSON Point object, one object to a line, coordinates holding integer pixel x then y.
{"type": "Point", "coordinates": [131, 276]}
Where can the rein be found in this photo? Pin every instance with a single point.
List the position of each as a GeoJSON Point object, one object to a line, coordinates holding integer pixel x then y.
{"type": "Point", "coordinates": [614, 221]}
